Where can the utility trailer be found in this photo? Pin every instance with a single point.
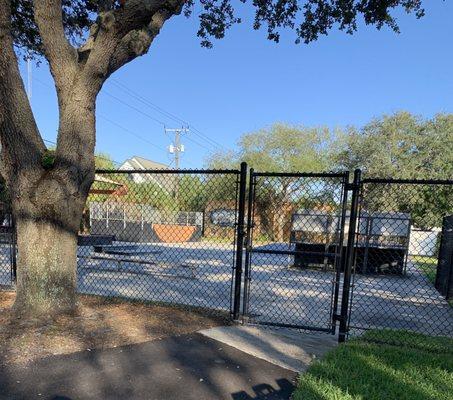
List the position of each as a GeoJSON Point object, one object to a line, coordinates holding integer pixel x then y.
{"type": "Point", "coordinates": [382, 240]}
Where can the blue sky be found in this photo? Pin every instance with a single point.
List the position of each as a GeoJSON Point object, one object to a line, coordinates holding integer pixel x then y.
{"type": "Point", "coordinates": [246, 82]}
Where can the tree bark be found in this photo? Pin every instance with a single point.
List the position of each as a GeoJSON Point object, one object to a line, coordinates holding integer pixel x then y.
{"type": "Point", "coordinates": [48, 214]}
{"type": "Point", "coordinates": [46, 278]}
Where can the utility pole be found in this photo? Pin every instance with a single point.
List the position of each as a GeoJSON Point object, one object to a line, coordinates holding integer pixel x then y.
{"type": "Point", "coordinates": [177, 148]}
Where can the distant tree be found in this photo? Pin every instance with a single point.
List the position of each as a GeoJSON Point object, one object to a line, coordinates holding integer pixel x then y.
{"type": "Point", "coordinates": [103, 161]}
{"type": "Point", "coordinates": [192, 193]}
{"type": "Point", "coordinates": [85, 42]}
{"type": "Point", "coordinates": [283, 148]}
{"type": "Point", "coordinates": [399, 145]}
{"type": "Point", "coordinates": [280, 147]}
{"type": "Point", "coordinates": [402, 145]}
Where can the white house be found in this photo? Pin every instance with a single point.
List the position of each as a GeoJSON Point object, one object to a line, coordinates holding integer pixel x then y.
{"type": "Point", "coordinates": [136, 163]}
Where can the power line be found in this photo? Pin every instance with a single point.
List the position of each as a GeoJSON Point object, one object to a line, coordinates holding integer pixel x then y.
{"type": "Point", "coordinates": [136, 135]}
{"type": "Point", "coordinates": [147, 102]}
{"type": "Point", "coordinates": [165, 112]}
{"type": "Point", "coordinates": [134, 108]}
{"type": "Point", "coordinates": [197, 132]}
{"type": "Point", "coordinates": [97, 156]}
{"type": "Point", "coordinates": [127, 129]}
{"type": "Point", "coordinates": [168, 114]}
{"type": "Point", "coordinates": [149, 116]}
{"type": "Point", "coordinates": [131, 132]}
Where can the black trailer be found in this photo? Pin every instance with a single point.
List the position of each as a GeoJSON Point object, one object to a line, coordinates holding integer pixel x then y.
{"type": "Point", "coordinates": [381, 247]}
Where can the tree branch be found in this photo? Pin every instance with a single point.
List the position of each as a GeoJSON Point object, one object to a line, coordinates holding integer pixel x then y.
{"type": "Point", "coordinates": [61, 55]}
{"type": "Point", "coordinates": [137, 42]}
{"type": "Point", "coordinates": [21, 144]}
{"type": "Point", "coordinates": [121, 35]}
{"type": "Point", "coordinates": [137, 14]}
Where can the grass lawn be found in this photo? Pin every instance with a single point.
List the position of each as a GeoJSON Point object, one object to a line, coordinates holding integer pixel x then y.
{"type": "Point", "coordinates": [428, 265]}
{"type": "Point", "coordinates": [371, 371]}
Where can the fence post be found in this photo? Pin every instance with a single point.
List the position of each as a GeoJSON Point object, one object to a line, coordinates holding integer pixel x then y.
{"type": "Point", "coordinates": [248, 245]}
{"type": "Point", "coordinates": [239, 241]}
{"type": "Point", "coordinates": [341, 242]}
{"type": "Point", "coordinates": [355, 187]}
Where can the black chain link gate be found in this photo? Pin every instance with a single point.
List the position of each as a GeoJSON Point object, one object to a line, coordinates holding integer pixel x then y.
{"type": "Point", "coordinates": [295, 249]}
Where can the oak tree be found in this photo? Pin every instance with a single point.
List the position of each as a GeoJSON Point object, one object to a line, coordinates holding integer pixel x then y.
{"type": "Point", "coordinates": [84, 42]}
{"type": "Point", "coordinates": [405, 146]}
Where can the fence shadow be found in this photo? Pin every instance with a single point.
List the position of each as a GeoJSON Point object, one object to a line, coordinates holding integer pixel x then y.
{"type": "Point", "coordinates": [267, 392]}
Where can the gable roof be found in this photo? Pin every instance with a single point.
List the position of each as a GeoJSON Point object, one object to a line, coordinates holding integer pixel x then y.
{"type": "Point", "coordinates": [138, 163]}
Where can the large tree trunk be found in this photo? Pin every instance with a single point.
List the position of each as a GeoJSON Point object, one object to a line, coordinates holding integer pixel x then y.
{"type": "Point", "coordinates": [48, 211]}
{"type": "Point", "coordinates": [47, 222]}
{"type": "Point", "coordinates": [46, 280]}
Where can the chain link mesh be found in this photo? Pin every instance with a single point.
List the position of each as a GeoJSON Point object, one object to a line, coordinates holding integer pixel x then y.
{"type": "Point", "coordinates": [170, 236]}
{"type": "Point", "coordinates": [7, 247]}
{"type": "Point", "coordinates": [160, 236]}
{"type": "Point", "coordinates": [296, 245]}
{"type": "Point", "coordinates": [400, 276]}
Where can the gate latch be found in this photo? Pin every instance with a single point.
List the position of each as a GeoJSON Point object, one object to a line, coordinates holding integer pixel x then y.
{"type": "Point", "coordinates": [337, 317]}
{"type": "Point", "coordinates": [352, 186]}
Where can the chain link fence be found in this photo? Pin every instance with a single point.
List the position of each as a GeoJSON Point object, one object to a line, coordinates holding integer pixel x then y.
{"type": "Point", "coordinates": [166, 236]}
{"type": "Point", "coordinates": [7, 246]}
{"type": "Point", "coordinates": [371, 258]}
{"type": "Point", "coordinates": [401, 278]}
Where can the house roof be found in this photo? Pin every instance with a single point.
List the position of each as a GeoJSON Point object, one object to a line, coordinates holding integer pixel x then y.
{"type": "Point", "coordinates": [142, 163]}
{"type": "Point", "coordinates": [103, 179]}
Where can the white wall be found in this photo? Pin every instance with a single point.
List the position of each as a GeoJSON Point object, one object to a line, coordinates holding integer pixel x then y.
{"type": "Point", "coordinates": [423, 243]}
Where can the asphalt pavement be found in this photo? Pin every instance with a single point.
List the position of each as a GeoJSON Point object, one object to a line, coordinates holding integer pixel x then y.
{"type": "Point", "coordinates": [185, 367]}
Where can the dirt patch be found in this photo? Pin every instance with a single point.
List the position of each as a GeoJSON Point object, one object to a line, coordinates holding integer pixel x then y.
{"type": "Point", "coordinates": [99, 323]}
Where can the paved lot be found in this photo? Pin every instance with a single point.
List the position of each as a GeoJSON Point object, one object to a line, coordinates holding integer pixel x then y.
{"type": "Point", "coordinates": [199, 274]}
{"type": "Point", "coordinates": [189, 367]}
{"type": "Point", "coordinates": [403, 302]}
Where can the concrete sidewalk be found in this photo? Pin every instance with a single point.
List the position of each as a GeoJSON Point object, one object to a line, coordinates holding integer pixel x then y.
{"type": "Point", "coordinates": [185, 367]}
{"type": "Point", "coordinates": [286, 348]}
